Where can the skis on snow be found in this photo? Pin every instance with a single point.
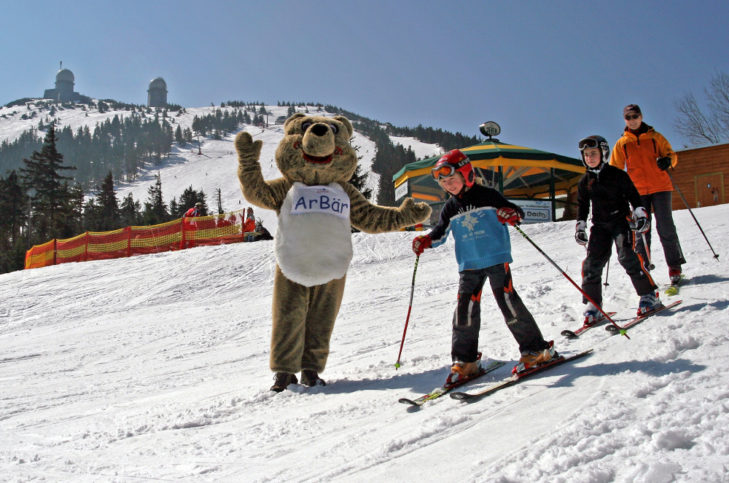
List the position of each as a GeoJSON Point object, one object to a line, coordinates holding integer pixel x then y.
{"type": "Point", "coordinates": [637, 320]}
{"type": "Point", "coordinates": [516, 378]}
{"type": "Point", "coordinates": [439, 391]}
{"type": "Point", "coordinates": [574, 334]}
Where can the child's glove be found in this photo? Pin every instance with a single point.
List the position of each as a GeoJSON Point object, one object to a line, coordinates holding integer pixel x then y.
{"type": "Point", "coordinates": [663, 163]}
{"type": "Point", "coordinates": [580, 233]}
{"type": "Point", "coordinates": [420, 243]}
{"type": "Point", "coordinates": [509, 215]}
{"type": "Point", "coordinates": [640, 222]}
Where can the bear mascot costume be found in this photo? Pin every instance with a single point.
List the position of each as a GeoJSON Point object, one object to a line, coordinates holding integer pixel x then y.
{"type": "Point", "coordinates": [316, 207]}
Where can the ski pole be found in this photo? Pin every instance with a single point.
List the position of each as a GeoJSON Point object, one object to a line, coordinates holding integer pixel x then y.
{"type": "Point", "coordinates": [647, 252]}
{"type": "Point", "coordinates": [607, 273]}
{"type": "Point", "coordinates": [620, 329]}
{"type": "Point", "coordinates": [716, 255]}
{"type": "Point", "coordinates": [410, 307]}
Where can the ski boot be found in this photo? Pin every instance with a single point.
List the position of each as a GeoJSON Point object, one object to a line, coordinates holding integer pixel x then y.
{"type": "Point", "coordinates": [281, 381]}
{"type": "Point", "coordinates": [592, 316]}
{"type": "Point", "coordinates": [309, 377]}
{"type": "Point", "coordinates": [648, 303]}
{"type": "Point", "coordinates": [674, 273]}
{"type": "Point", "coordinates": [461, 371]}
{"type": "Point", "coordinates": [532, 359]}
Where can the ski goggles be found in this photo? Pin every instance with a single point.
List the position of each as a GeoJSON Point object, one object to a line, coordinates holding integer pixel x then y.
{"type": "Point", "coordinates": [443, 171]}
{"type": "Point", "coordinates": [588, 143]}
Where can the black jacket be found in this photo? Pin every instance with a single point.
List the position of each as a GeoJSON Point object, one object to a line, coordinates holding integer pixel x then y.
{"type": "Point", "coordinates": [610, 191]}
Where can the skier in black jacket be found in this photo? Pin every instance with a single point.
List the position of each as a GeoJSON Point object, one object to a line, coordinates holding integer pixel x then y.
{"type": "Point", "coordinates": [610, 192]}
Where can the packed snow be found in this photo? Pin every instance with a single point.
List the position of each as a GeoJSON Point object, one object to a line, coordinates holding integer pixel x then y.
{"type": "Point", "coordinates": [420, 149]}
{"type": "Point", "coordinates": [155, 368]}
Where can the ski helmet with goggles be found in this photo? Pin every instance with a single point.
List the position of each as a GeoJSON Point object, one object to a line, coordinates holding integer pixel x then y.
{"type": "Point", "coordinates": [598, 142]}
{"type": "Point", "coordinates": [452, 162]}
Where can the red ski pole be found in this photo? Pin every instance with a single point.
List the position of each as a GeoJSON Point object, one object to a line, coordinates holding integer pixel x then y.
{"type": "Point", "coordinates": [410, 307]}
{"type": "Point", "coordinates": [620, 329]}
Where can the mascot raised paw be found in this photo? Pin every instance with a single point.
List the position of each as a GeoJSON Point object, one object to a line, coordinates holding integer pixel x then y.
{"type": "Point", "coordinates": [316, 207]}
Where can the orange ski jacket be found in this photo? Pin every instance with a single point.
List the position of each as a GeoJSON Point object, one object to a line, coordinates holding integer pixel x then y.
{"type": "Point", "coordinates": [639, 154]}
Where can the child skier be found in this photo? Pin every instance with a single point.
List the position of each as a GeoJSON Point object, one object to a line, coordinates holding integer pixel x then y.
{"type": "Point", "coordinates": [610, 191]}
{"type": "Point", "coordinates": [476, 216]}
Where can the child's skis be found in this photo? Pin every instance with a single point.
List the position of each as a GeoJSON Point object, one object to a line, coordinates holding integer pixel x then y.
{"type": "Point", "coordinates": [574, 334]}
{"type": "Point", "coordinates": [515, 378]}
{"type": "Point", "coordinates": [641, 318]}
{"type": "Point", "coordinates": [439, 391]}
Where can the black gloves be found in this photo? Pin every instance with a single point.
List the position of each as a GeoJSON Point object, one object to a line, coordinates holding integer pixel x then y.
{"type": "Point", "coordinates": [663, 163]}
{"type": "Point", "coordinates": [581, 233]}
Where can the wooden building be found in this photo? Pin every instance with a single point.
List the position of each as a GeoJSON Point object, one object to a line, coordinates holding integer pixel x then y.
{"type": "Point", "coordinates": [701, 175]}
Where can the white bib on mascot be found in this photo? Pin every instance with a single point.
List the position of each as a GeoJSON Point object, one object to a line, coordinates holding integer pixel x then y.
{"type": "Point", "coordinates": [314, 240]}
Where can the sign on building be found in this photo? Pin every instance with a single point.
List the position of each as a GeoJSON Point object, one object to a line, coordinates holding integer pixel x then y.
{"type": "Point", "coordinates": [401, 191]}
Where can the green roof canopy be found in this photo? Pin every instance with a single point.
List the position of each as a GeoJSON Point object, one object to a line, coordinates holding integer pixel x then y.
{"type": "Point", "coordinates": [521, 171]}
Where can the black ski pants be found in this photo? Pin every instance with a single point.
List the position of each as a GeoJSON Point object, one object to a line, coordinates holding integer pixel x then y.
{"type": "Point", "coordinates": [599, 247]}
{"type": "Point", "coordinates": [658, 205]}
{"type": "Point", "coordinates": [467, 316]}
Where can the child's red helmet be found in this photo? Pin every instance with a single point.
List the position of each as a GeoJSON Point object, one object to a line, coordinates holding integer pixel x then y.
{"type": "Point", "coordinates": [451, 162]}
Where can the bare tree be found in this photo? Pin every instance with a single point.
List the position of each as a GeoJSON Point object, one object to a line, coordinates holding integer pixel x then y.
{"type": "Point", "coordinates": [718, 96]}
{"type": "Point", "coordinates": [713, 126]}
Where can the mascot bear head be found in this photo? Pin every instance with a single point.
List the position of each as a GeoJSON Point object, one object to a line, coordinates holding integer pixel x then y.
{"type": "Point", "coordinates": [315, 150]}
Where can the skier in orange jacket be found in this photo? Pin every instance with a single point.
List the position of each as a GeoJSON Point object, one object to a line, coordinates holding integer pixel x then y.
{"type": "Point", "coordinates": [646, 155]}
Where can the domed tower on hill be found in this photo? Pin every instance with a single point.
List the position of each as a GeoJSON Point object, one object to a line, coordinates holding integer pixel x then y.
{"type": "Point", "coordinates": [157, 93]}
{"type": "Point", "coordinates": [64, 87]}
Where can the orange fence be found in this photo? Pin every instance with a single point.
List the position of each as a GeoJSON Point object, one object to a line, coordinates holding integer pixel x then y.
{"type": "Point", "coordinates": [134, 240]}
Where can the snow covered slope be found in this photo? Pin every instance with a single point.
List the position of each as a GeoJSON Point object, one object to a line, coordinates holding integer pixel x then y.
{"type": "Point", "coordinates": [156, 368]}
{"type": "Point", "coordinates": [214, 169]}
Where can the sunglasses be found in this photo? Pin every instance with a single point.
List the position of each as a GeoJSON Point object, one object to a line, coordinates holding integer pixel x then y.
{"type": "Point", "coordinates": [630, 118]}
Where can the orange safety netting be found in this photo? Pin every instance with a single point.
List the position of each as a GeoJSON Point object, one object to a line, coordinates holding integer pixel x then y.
{"type": "Point", "coordinates": [134, 240]}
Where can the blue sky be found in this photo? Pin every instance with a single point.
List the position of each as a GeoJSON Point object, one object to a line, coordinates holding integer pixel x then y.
{"type": "Point", "coordinates": [549, 72]}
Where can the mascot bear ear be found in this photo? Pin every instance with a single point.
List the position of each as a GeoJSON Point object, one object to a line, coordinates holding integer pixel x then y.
{"type": "Point", "coordinates": [288, 126]}
{"type": "Point", "coordinates": [347, 124]}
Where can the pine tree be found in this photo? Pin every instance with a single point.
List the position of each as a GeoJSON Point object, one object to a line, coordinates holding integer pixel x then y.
{"type": "Point", "coordinates": [49, 191]}
{"type": "Point", "coordinates": [92, 220]}
{"type": "Point", "coordinates": [359, 181]}
{"type": "Point", "coordinates": [108, 205]}
{"type": "Point", "coordinates": [14, 207]}
{"type": "Point", "coordinates": [155, 210]}
{"type": "Point", "coordinates": [74, 212]}
{"type": "Point", "coordinates": [189, 197]}
{"type": "Point", "coordinates": [175, 210]}
{"type": "Point", "coordinates": [130, 211]}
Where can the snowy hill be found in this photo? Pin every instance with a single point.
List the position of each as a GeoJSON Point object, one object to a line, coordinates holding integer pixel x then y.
{"type": "Point", "coordinates": [156, 368]}
{"type": "Point", "coordinates": [214, 169]}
